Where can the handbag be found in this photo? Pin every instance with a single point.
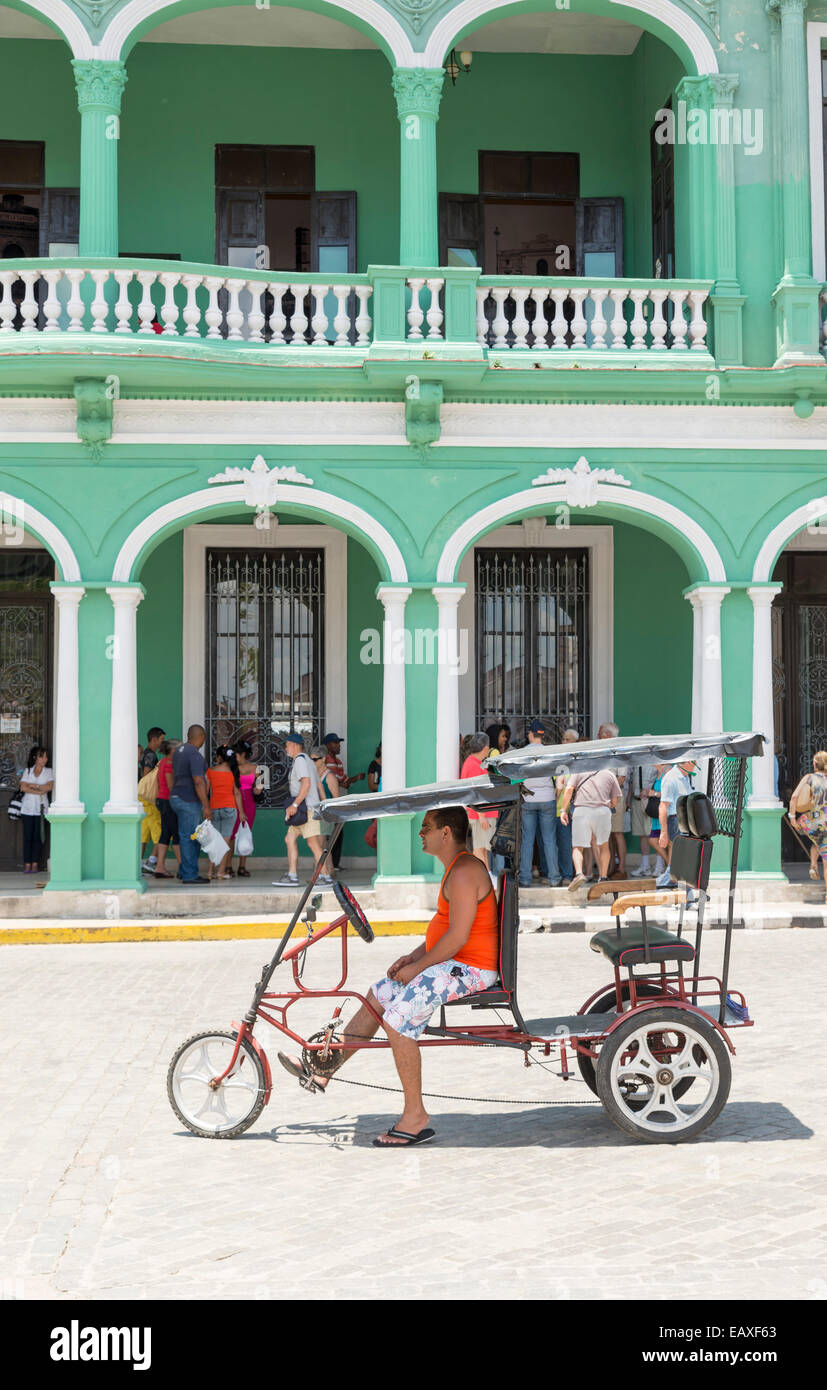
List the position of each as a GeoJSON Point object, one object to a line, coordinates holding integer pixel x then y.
{"type": "Point", "coordinates": [299, 816]}
{"type": "Point", "coordinates": [15, 807]}
{"type": "Point", "coordinates": [652, 807]}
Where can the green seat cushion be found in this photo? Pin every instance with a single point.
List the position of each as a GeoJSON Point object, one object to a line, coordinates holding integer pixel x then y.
{"type": "Point", "coordinates": [627, 947]}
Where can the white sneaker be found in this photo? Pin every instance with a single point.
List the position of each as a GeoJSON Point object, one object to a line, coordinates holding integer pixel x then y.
{"type": "Point", "coordinates": [665, 880]}
{"type": "Point", "coordinates": [324, 879]}
{"type": "Point", "coordinates": [641, 872]}
{"type": "Point", "coordinates": [286, 881]}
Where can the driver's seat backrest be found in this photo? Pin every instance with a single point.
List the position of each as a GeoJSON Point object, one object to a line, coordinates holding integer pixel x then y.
{"type": "Point", "coordinates": [509, 920]}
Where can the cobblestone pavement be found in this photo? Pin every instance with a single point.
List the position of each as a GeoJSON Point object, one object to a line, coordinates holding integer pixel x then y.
{"type": "Point", "coordinates": [104, 1195]}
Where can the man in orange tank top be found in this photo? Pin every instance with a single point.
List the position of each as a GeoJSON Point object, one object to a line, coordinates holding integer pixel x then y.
{"type": "Point", "coordinates": [459, 956]}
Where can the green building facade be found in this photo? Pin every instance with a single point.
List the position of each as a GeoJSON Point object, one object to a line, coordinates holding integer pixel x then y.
{"type": "Point", "coordinates": [397, 367]}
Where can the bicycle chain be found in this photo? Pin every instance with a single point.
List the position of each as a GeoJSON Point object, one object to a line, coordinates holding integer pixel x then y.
{"type": "Point", "coordinates": [480, 1100]}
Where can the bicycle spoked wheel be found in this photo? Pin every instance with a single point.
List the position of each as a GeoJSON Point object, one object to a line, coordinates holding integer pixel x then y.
{"type": "Point", "coordinates": [228, 1109]}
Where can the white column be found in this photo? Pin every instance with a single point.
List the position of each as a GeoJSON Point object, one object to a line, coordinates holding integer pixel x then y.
{"type": "Point", "coordinates": [763, 769]}
{"type": "Point", "coordinates": [66, 750]}
{"type": "Point", "coordinates": [123, 721]}
{"type": "Point", "coordinates": [710, 697]}
{"type": "Point", "coordinates": [449, 663]}
{"type": "Point", "coordinates": [393, 599]}
{"type": "Point", "coordinates": [692, 598]}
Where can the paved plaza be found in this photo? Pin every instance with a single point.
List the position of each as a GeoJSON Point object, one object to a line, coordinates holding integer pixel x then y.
{"type": "Point", "coordinates": [104, 1195]}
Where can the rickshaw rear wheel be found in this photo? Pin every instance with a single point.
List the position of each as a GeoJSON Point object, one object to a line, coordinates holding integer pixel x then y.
{"type": "Point", "coordinates": [606, 1004]}
{"type": "Point", "coordinates": [641, 1068]}
{"type": "Point", "coordinates": [232, 1107]}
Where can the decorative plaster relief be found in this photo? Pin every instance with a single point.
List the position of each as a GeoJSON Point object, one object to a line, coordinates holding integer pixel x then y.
{"type": "Point", "coordinates": [581, 481]}
{"type": "Point", "coordinates": [261, 486]}
{"type": "Point", "coordinates": [94, 414]}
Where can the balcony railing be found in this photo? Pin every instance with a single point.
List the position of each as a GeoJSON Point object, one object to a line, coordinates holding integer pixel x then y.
{"type": "Point", "coordinates": [388, 311]}
{"type": "Point", "coordinates": [593, 316]}
{"type": "Point", "coordinates": [149, 299]}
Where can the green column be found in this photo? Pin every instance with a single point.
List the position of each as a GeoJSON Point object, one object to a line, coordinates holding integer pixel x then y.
{"type": "Point", "coordinates": [796, 298]}
{"type": "Point", "coordinates": [99, 87]}
{"type": "Point", "coordinates": [692, 96]}
{"type": "Point", "coordinates": [418, 92]}
{"type": "Point", "coordinates": [727, 299]}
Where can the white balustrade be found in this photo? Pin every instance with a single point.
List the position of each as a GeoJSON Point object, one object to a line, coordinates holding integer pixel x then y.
{"type": "Point", "coordinates": [595, 318]}
{"type": "Point", "coordinates": [416, 313]}
{"type": "Point", "coordinates": [434, 316]}
{"type": "Point", "coordinates": [78, 299]}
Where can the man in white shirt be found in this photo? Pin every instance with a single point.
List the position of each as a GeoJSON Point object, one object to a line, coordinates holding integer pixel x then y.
{"type": "Point", "coordinates": [674, 783]}
{"type": "Point", "coordinates": [304, 789]}
{"type": "Point", "coordinates": [617, 840]}
{"type": "Point", "coordinates": [539, 815]}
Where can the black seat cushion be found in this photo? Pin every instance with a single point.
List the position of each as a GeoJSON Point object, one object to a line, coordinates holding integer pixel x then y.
{"type": "Point", "coordinates": [626, 947]}
{"type": "Point", "coordinates": [509, 920]}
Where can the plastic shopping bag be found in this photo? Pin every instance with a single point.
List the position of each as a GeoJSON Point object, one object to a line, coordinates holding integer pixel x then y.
{"type": "Point", "coordinates": [244, 841]}
{"type": "Point", "coordinates": [213, 844]}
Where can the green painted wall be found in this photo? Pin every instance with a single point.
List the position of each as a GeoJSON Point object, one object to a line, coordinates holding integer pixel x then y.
{"type": "Point", "coordinates": [160, 634]}
{"type": "Point", "coordinates": [602, 107]}
{"type": "Point", "coordinates": [181, 101]}
{"type": "Point", "coordinates": [54, 117]}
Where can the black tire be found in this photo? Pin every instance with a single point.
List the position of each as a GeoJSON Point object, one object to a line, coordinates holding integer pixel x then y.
{"type": "Point", "coordinates": [248, 1057]}
{"type": "Point", "coordinates": [628, 1113]}
{"type": "Point", "coordinates": [607, 1003]}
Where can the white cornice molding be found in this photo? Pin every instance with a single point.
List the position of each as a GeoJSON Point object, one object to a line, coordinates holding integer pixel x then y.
{"type": "Point", "coordinates": [384, 25]}
{"type": "Point", "coordinates": [259, 422]}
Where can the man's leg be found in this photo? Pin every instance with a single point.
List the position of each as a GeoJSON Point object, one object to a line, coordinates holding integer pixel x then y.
{"type": "Point", "coordinates": [363, 1025]}
{"type": "Point", "coordinates": [408, 1060]}
{"type": "Point", "coordinates": [291, 841]}
{"type": "Point", "coordinates": [603, 857]}
{"type": "Point", "coordinates": [548, 839]}
{"type": "Point", "coordinates": [188, 818]}
{"type": "Point", "coordinates": [527, 847]}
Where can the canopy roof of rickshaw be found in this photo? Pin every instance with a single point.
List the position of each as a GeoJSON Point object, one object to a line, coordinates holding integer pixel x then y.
{"type": "Point", "coordinates": [505, 773]}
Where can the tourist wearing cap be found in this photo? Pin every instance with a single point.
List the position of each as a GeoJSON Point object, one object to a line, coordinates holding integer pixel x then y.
{"type": "Point", "coordinates": [676, 782]}
{"type": "Point", "coordinates": [304, 789]}
{"type": "Point", "coordinates": [333, 744]}
{"type": "Point", "coordinates": [539, 817]}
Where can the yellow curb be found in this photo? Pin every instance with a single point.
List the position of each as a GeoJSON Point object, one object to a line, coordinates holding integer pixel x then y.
{"type": "Point", "coordinates": [177, 931]}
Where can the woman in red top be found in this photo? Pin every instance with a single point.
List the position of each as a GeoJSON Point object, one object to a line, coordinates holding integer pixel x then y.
{"type": "Point", "coordinates": [483, 824]}
{"type": "Point", "coordinates": [169, 820]}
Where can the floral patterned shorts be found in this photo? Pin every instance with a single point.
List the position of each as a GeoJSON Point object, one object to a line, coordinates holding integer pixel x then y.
{"type": "Point", "coordinates": [408, 1007]}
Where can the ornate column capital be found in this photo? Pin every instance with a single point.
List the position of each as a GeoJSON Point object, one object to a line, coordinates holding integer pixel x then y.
{"type": "Point", "coordinates": [390, 594]}
{"type": "Point", "coordinates": [723, 86]}
{"type": "Point", "coordinates": [418, 91]}
{"type": "Point", "coordinates": [67, 595]}
{"type": "Point", "coordinates": [99, 84]}
{"type": "Point", "coordinates": [762, 595]}
{"type": "Point", "coordinates": [783, 8]}
{"type": "Point", "coordinates": [448, 596]}
{"type": "Point", "coordinates": [125, 596]}
{"type": "Point", "coordinates": [697, 90]}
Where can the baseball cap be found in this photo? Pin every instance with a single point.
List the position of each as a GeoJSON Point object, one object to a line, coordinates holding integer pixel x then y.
{"type": "Point", "coordinates": [332, 738]}
{"type": "Point", "coordinates": [293, 737]}
{"type": "Point", "coordinates": [536, 727]}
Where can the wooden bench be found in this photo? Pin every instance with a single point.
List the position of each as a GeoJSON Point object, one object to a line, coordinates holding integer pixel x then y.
{"type": "Point", "coordinates": [612, 887]}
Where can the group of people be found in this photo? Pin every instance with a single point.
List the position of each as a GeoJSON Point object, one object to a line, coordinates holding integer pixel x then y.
{"type": "Point", "coordinates": [178, 791]}
{"type": "Point", "coordinates": [579, 822]}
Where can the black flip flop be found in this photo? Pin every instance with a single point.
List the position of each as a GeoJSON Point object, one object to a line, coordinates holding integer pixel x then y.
{"type": "Point", "coordinates": [410, 1139]}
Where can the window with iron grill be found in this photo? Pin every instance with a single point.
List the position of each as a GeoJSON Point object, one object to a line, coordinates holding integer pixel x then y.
{"type": "Point", "coordinates": [265, 653]}
{"type": "Point", "coordinates": [532, 637]}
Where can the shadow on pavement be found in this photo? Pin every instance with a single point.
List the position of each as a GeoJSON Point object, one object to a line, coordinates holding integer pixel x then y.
{"type": "Point", "coordinates": [561, 1127]}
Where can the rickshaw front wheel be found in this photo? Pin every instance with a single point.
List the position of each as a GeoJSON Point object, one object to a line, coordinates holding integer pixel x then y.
{"type": "Point", "coordinates": [641, 1069]}
{"type": "Point", "coordinates": [225, 1110]}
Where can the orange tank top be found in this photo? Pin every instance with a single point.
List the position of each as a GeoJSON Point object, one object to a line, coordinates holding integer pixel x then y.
{"type": "Point", "coordinates": [482, 948]}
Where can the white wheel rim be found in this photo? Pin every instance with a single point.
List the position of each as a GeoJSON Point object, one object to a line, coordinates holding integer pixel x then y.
{"type": "Point", "coordinates": [638, 1074]}
{"type": "Point", "coordinates": [227, 1106]}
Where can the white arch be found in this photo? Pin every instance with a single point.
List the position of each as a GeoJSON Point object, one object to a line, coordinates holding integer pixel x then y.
{"type": "Point", "coordinates": [369, 11]}
{"type": "Point", "coordinates": [69, 24]}
{"type": "Point", "coordinates": [538, 497]}
{"type": "Point", "coordinates": [665, 11]}
{"type": "Point", "coordinates": [16, 511]}
{"type": "Point", "coordinates": [809, 514]}
{"type": "Point", "coordinates": [209, 498]}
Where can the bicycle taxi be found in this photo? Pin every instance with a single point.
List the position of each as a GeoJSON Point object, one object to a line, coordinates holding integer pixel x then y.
{"type": "Point", "coordinates": [653, 1042]}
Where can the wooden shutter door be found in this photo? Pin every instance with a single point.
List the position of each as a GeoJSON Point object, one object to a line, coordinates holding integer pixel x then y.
{"type": "Point", "coordinates": [599, 236]}
{"type": "Point", "coordinates": [59, 218]}
{"type": "Point", "coordinates": [239, 225]}
{"type": "Point", "coordinates": [333, 229]}
{"type": "Point", "coordinates": [460, 225]}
